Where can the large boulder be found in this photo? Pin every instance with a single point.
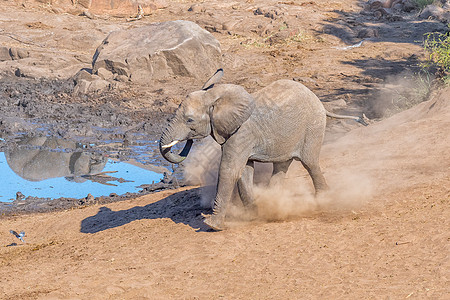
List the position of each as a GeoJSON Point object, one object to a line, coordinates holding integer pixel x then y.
{"type": "Point", "coordinates": [159, 51]}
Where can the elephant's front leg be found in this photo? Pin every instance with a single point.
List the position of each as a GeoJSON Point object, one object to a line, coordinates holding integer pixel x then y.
{"type": "Point", "coordinates": [230, 170]}
{"type": "Point", "coordinates": [245, 187]}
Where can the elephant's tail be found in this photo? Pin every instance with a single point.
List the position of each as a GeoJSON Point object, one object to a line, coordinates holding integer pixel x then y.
{"type": "Point", "coordinates": [357, 119]}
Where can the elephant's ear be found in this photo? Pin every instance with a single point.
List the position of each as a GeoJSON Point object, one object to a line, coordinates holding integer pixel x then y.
{"type": "Point", "coordinates": [213, 80]}
{"type": "Point", "coordinates": [231, 109]}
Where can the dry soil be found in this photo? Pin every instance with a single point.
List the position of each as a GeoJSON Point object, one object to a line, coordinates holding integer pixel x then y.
{"type": "Point", "coordinates": [381, 233]}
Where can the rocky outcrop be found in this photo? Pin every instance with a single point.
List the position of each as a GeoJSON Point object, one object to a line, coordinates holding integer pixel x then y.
{"type": "Point", "coordinates": [390, 9]}
{"type": "Point", "coordinates": [121, 6]}
{"type": "Point", "coordinates": [158, 50]}
{"type": "Point", "coordinates": [111, 7]}
{"type": "Point", "coordinates": [435, 12]}
{"type": "Point", "coordinates": [7, 53]}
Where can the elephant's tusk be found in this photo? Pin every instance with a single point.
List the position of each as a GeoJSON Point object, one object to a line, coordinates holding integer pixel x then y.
{"type": "Point", "coordinates": [169, 145]}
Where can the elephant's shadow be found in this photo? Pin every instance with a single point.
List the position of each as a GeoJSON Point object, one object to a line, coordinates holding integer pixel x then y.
{"type": "Point", "coordinates": [183, 207]}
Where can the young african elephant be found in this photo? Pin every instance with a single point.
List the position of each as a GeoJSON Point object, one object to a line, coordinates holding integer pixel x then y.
{"type": "Point", "coordinates": [281, 122]}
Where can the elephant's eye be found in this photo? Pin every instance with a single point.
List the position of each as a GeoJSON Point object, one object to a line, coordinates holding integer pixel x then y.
{"type": "Point", "coordinates": [190, 120]}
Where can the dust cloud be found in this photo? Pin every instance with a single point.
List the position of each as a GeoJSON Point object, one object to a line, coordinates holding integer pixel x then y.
{"type": "Point", "coordinates": [293, 197]}
{"type": "Point", "coordinates": [400, 92]}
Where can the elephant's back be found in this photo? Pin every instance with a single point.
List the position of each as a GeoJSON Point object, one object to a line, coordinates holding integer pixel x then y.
{"type": "Point", "coordinates": [287, 96]}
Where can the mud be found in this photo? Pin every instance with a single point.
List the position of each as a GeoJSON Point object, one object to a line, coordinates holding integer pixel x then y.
{"type": "Point", "coordinates": [32, 204]}
{"type": "Point", "coordinates": [103, 124]}
{"type": "Point", "coordinates": [49, 107]}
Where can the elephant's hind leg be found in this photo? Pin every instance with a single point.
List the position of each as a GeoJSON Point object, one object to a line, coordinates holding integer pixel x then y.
{"type": "Point", "coordinates": [313, 168]}
{"type": "Point", "coordinates": [279, 172]}
{"type": "Point", "coordinates": [309, 156]}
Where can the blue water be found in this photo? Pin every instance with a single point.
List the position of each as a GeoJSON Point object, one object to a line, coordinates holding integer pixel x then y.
{"type": "Point", "coordinates": [72, 186]}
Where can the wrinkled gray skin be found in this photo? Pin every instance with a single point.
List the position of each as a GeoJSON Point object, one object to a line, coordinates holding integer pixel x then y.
{"type": "Point", "coordinates": [282, 122]}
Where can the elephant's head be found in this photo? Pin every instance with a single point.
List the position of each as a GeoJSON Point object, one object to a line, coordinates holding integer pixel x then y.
{"type": "Point", "coordinates": [217, 110]}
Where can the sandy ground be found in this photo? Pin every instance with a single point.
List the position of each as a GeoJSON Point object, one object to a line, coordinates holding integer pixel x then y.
{"type": "Point", "coordinates": [393, 243]}
{"type": "Point", "coordinates": [381, 233]}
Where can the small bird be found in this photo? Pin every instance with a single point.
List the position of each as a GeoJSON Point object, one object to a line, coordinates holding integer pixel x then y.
{"type": "Point", "coordinates": [18, 235]}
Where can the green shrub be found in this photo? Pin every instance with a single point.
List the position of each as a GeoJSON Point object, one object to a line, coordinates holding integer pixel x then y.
{"type": "Point", "coordinates": [437, 46]}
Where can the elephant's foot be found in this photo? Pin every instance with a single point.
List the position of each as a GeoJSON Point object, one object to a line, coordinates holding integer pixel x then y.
{"type": "Point", "coordinates": [216, 222]}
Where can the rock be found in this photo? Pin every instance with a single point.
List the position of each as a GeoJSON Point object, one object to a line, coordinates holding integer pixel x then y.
{"type": "Point", "coordinates": [82, 75]}
{"type": "Point", "coordinates": [436, 13]}
{"type": "Point", "coordinates": [397, 7]}
{"type": "Point", "coordinates": [269, 12]}
{"type": "Point", "coordinates": [17, 53]}
{"type": "Point", "coordinates": [98, 85]}
{"type": "Point", "coordinates": [93, 84]}
{"type": "Point", "coordinates": [85, 3]}
{"type": "Point", "coordinates": [446, 4]}
{"type": "Point", "coordinates": [159, 50]}
{"type": "Point", "coordinates": [95, 77]}
{"type": "Point", "coordinates": [82, 87]}
{"type": "Point", "coordinates": [376, 4]}
{"type": "Point", "coordinates": [121, 78]}
{"type": "Point", "coordinates": [105, 74]}
{"type": "Point", "coordinates": [380, 12]}
{"type": "Point", "coordinates": [409, 5]}
{"type": "Point", "coordinates": [367, 33]}
{"type": "Point", "coordinates": [20, 196]}
{"type": "Point", "coordinates": [4, 54]}
{"type": "Point", "coordinates": [30, 72]}
{"type": "Point", "coordinates": [87, 14]}
{"type": "Point", "coordinates": [278, 37]}
{"type": "Point", "coordinates": [76, 11]}
{"type": "Point", "coordinates": [385, 8]}
{"type": "Point", "coordinates": [89, 199]}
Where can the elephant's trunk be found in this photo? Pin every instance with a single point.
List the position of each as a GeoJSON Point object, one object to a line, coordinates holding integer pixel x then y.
{"type": "Point", "coordinates": [167, 142]}
{"type": "Point", "coordinates": [173, 157]}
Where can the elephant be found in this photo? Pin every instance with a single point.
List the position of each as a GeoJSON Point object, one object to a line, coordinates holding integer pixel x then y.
{"type": "Point", "coordinates": [277, 124]}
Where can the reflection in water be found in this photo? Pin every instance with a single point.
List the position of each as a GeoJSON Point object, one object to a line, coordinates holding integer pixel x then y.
{"type": "Point", "coordinates": [40, 158]}
{"type": "Point", "coordinates": [48, 167]}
